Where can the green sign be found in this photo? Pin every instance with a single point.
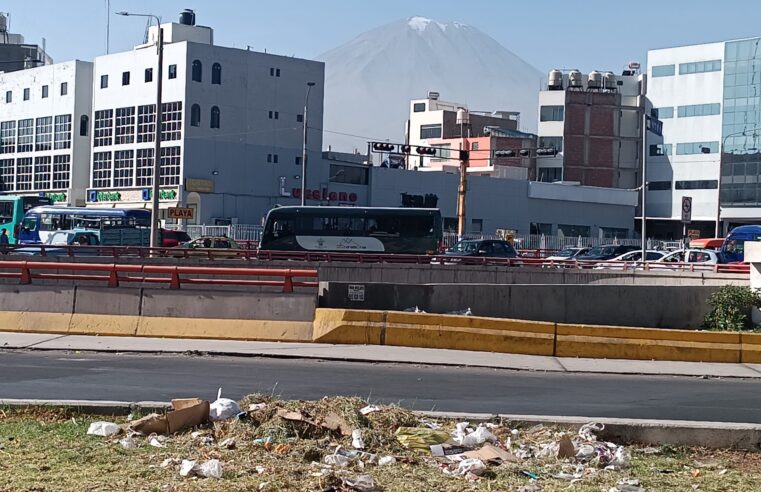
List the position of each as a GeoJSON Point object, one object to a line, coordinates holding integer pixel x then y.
{"type": "Point", "coordinates": [164, 194]}
{"type": "Point", "coordinates": [109, 196]}
{"type": "Point", "coordinates": [56, 197]}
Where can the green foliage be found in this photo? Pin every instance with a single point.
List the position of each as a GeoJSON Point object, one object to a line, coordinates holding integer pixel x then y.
{"type": "Point", "coordinates": [731, 308]}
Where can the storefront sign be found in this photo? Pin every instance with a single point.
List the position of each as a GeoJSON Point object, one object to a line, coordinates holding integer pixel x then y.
{"type": "Point", "coordinates": [57, 197]}
{"type": "Point", "coordinates": [180, 213]}
{"type": "Point", "coordinates": [130, 195]}
{"type": "Point", "coordinates": [325, 195]}
{"type": "Point", "coordinates": [199, 185]}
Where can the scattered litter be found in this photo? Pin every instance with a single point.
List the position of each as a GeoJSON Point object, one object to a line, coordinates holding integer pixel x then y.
{"type": "Point", "coordinates": [223, 408]}
{"type": "Point", "coordinates": [207, 469]}
{"type": "Point", "coordinates": [186, 468]}
{"type": "Point", "coordinates": [723, 472]}
{"type": "Point", "coordinates": [627, 486]}
{"type": "Point", "coordinates": [566, 449]}
{"type": "Point", "coordinates": [128, 443]}
{"type": "Point", "coordinates": [228, 443]}
{"type": "Point", "coordinates": [414, 310]}
{"type": "Point", "coordinates": [431, 424]}
{"type": "Point", "coordinates": [263, 486]}
{"type": "Point", "coordinates": [169, 462]}
{"type": "Point", "coordinates": [186, 413]}
{"type": "Point", "coordinates": [441, 450]}
{"type": "Point", "coordinates": [464, 312]}
{"type": "Point", "coordinates": [390, 460]}
{"type": "Point", "coordinates": [588, 432]}
{"type": "Point", "coordinates": [282, 448]}
{"type": "Point", "coordinates": [420, 438]}
{"type": "Point", "coordinates": [369, 409]}
{"type": "Point", "coordinates": [695, 473]}
{"type": "Point", "coordinates": [156, 441]}
{"type": "Point", "coordinates": [650, 450]}
{"type": "Point", "coordinates": [532, 476]}
{"type": "Point", "coordinates": [335, 423]}
{"type": "Point", "coordinates": [490, 453]}
{"type": "Point", "coordinates": [471, 465]}
{"type": "Point", "coordinates": [103, 429]}
{"type": "Point", "coordinates": [362, 483]}
{"type": "Point", "coordinates": [531, 487]}
{"type": "Point", "coordinates": [260, 469]}
{"type": "Point", "coordinates": [255, 407]}
{"type": "Point", "coordinates": [356, 439]}
{"type": "Point", "coordinates": [480, 435]}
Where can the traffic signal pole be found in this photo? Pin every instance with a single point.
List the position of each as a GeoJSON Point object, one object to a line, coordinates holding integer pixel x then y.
{"type": "Point", "coordinates": [461, 191]}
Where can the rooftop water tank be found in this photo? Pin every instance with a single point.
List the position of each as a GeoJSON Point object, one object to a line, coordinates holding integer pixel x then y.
{"type": "Point", "coordinates": [574, 79]}
{"type": "Point", "coordinates": [595, 80]}
{"type": "Point", "coordinates": [188, 17]}
{"type": "Point", "coordinates": [555, 81]}
{"type": "Point", "coordinates": [610, 80]}
{"type": "Point", "coordinates": [463, 117]}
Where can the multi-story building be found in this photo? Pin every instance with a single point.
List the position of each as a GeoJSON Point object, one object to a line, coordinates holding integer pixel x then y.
{"type": "Point", "coordinates": [232, 123]}
{"type": "Point", "coordinates": [44, 131]}
{"type": "Point", "coordinates": [708, 97]}
{"type": "Point", "coordinates": [432, 120]}
{"type": "Point", "coordinates": [15, 54]}
{"type": "Point", "coordinates": [593, 121]}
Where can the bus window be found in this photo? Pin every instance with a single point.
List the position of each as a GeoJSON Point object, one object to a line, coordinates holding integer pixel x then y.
{"type": "Point", "coordinates": [282, 227]}
{"type": "Point", "coordinates": [29, 223]}
{"type": "Point", "coordinates": [6, 212]}
{"type": "Point", "coordinates": [417, 226]}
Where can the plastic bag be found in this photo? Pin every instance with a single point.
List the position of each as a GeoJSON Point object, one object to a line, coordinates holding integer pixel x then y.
{"type": "Point", "coordinates": [186, 468]}
{"type": "Point", "coordinates": [223, 408]}
{"type": "Point", "coordinates": [621, 459]}
{"type": "Point", "coordinates": [589, 431]}
{"type": "Point", "coordinates": [387, 460]}
{"type": "Point", "coordinates": [475, 438]}
{"type": "Point", "coordinates": [471, 465]}
{"type": "Point", "coordinates": [211, 469]}
{"type": "Point", "coordinates": [356, 439]}
{"type": "Point", "coordinates": [419, 437]}
{"type": "Point", "coordinates": [103, 429]}
{"type": "Point", "coordinates": [128, 443]}
{"type": "Point", "coordinates": [362, 483]}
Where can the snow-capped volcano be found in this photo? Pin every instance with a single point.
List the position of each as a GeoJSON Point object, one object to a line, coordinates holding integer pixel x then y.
{"type": "Point", "coordinates": [370, 80]}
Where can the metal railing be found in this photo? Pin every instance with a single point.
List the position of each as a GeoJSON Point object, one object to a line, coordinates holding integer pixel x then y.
{"type": "Point", "coordinates": [174, 276]}
{"type": "Point", "coordinates": [238, 232]}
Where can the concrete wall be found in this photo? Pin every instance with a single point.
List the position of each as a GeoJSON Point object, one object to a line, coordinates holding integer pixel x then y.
{"type": "Point", "coordinates": [680, 307]}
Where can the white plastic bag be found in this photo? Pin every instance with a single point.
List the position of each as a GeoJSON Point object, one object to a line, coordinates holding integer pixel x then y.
{"type": "Point", "coordinates": [475, 438]}
{"type": "Point", "coordinates": [356, 439]}
{"type": "Point", "coordinates": [128, 443]}
{"type": "Point", "coordinates": [387, 460]}
{"type": "Point", "coordinates": [210, 469]}
{"type": "Point", "coordinates": [223, 408]}
{"type": "Point", "coordinates": [471, 465]}
{"type": "Point", "coordinates": [187, 467]}
{"type": "Point", "coordinates": [363, 483]}
{"type": "Point", "coordinates": [103, 429]}
{"type": "Point", "coordinates": [589, 431]}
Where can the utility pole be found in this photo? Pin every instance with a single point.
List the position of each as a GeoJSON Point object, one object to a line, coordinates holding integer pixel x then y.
{"type": "Point", "coordinates": [461, 191]}
{"type": "Point", "coordinates": [643, 231]}
{"type": "Point", "coordinates": [304, 147]}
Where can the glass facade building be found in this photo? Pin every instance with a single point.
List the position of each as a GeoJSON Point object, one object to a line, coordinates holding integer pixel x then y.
{"type": "Point", "coordinates": [741, 130]}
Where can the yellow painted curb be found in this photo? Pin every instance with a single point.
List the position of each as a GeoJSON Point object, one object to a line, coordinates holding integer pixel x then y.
{"type": "Point", "coordinates": [103, 324]}
{"type": "Point", "coordinates": [29, 322]}
{"type": "Point", "coordinates": [751, 348]}
{"type": "Point", "coordinates": [230, 329]}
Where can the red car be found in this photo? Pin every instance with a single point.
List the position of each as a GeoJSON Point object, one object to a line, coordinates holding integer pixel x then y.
{"type": "Point", "coordinates": [171, 238]}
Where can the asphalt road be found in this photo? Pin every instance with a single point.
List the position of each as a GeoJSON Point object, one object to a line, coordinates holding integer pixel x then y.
{"type": "Point", "coordinates": [63, 375]}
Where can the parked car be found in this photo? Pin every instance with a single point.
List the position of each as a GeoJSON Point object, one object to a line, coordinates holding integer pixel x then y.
{"type": "Point", "coordinates": [700, 256]}
{"type": "Point", "coordinates": [490, 248]}
{"type": "Point", "coordinates": [633, 257]}
{"type": "Point", "coordinates": [74, 239]}
{"type": "Point", "coordinates": [568, 254]}
{"type": "Point", "coordinates": [171, 238]}
{"type": "Point", "coordinates": [606, 252]}
{"type": "Point", "coordinates": [215, 246]}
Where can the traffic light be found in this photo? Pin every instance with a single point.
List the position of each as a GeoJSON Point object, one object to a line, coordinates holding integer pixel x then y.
{"type": "Point", "coordinates": [426, 151]}
{"type": "Point", "coordinates": [383, 147]}
{"type": "Point", "coordinates": [405, 149]}
{"type": "Point", "coordinates": [464, 155]}
{"type": "Point", "coordinates": [545, 151]}
{"type": "Point", "coordinates": [504, 153]}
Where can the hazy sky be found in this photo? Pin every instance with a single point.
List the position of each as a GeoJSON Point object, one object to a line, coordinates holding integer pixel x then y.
{"type": "Point", "coordinates": [588, 34]}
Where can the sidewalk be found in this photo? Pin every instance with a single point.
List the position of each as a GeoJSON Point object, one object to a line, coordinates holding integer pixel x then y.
{"type": "Point", "coordinates": [373, 353]}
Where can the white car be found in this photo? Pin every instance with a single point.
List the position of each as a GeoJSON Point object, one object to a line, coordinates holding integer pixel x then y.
{"type": "Point", "coordinates": [566, 254]}
{"type": "Point", "coordinates": [621, 262]}
{"type": "Point", "coordinates": [703, 257]}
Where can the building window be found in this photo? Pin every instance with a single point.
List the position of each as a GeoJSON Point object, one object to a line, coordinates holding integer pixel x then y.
{"type": "Point", "coordinates": [104, 127]}
{"type": "Point", "coordinates": [44, 91]}
{"type": "Point", "coordinates": [8, 96]}
{"type": "Point", "coordinates": [61, 171]}
{"type": "Point", "coordinates": [195, 115]}
{"type": "Point", "coordinates": [101, 170]}
{"type": "Point", "coordinates": [430, 131]}
{"type": "Point", "coordinates": [659, 186]}
{"type": "Point", "coordinates": [196, 72]}
{"type": "Point", "coordinates": [551, 113]}
{"type": "Point", "coordinates": [274, 72]}
{"type": "Point", "coordinates": [474, 146]}
{"type": "Point", "coordinates": [62, 136]}
{"type": "Point", "coordinates": [25, 135]}
{"type": "Point", "coordinates": [27, 94]}
{"type": "Point", "coordinates": [170, 166]}
{"type": "Point", "coordinates": [172, 71]}
{"type": "Point", "coordinates": [8, 137]}
{"type": "Point", "coordinates": [144, 167]}
{"type": "Point", "coordinates": [64, 88]}
{"type": "Point", "coordinates": [700, 67]}
{"type": "Point", "coordinates": [43, 172]}
{"type": "Point", "coordinates": [277, 72]}
{"type": "Point", "coordinates": [574, 230]}
{"type": "Point", "coordinates": [663, 70]}
{"type": "Point", "coordinates": [103, 81]}
{"type": "Point", "coordinates": [125, 126]}
{"type": "Point", "coordinates": [297, 161]}
{"type": "Point", "coordinates": [214, 120]}
{"type": "Point", "coordinates": [705, 184]}
{"type": "Point", "coordinates": [7, 175]}
{"type": "Point", "coordinates": [550, 174]}
{"type": "Point", "coordinates": [355, 175]}
{"type": "Point", "coordinates": [149, 75]}
{"type": "Point", "coordinates": [418, 108]}
{"type": "Point", "coordinates": [125, 78]}
{"type": "Point", "coordinates": [614, 233]}
{"type": "Point", "coordinates": [146, 123]}
{"type": "Point", "coordinates": [664, 113]}
{"type": "Point", "coordinates": [43, 136]}
{"type": "Point", "coordinates": [299, 118]}
{"type": "Point", "coordinates": [216, 74]}
{"type": "Point", "coordinates": [24, 174]}
{"type": "Point", "coordinates": [171, 121]}
{"type": "Point", "coordinates": [699, 110]}
{"type": "Point", "coordinates": [537, 229]}
{"type": "Point", "coordinates": [477, 226]}
{"type": "Point", "coordinates": [551, 143]}
{"type": "Point", "coordinates": [123, 168]}
{"type": "Point", "coordinates": [660, 149]}
{"type": "Point", "coordinates": [274, 115]}
{"type": "Point", "coordinates": [84, 125]}
{"type": "Point", "coordinates": [691, 148]}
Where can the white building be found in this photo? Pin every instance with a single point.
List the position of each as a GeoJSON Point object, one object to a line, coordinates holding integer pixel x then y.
{"type": "Point", "coordinates": [709, 99]}
{"type": "Point", "coordinates": [232, 127]}
{"type": "Point", "coordinates": [44, 131]}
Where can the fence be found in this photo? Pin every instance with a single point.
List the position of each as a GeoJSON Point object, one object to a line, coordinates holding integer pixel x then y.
{"type": "Point", "coordinates": [174, 276]}
{"type": "Point", "coordinates": [238, 232]}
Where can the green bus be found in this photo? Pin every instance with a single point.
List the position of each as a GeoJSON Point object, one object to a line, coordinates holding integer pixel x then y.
{"type": "Point", "coordinates": [12, 210]}
{"type": "Point", "coordinates": [416, 231]}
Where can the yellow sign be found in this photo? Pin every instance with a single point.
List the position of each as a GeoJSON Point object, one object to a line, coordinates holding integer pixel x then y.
{"type": "Point", "coordinates": [693, 233]}
{"type": "Point", "coordinates": [199, 185]}
{"type": "Point", "coordinates": [180, 213]}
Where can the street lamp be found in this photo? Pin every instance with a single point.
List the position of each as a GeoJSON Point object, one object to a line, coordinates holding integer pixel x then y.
{"type": "Point", "coordinates": [304, 147]}
{"type": "Point", "coordinates": [721, 155]}
{"type": "Point", "coordinates": [155, 239]}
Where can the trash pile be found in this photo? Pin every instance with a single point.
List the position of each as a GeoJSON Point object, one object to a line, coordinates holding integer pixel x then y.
{"type": "Point", "coordinates": [346, 444]}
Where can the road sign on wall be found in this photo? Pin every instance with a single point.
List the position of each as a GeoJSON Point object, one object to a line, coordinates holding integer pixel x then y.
{"type": "Point", "coordinates": [686, 209]}
{"type": "Point", "coordinates": [180, 213]}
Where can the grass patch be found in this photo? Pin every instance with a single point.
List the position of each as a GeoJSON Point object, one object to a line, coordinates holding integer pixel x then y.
{"type": "Point", "coordinates": [48, 450]}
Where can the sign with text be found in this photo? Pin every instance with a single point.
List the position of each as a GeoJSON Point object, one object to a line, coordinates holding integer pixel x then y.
{"type": "Point", "coordinates": [180, 213]}
{"type": "Point", "coordinates": [686, 209]}
{"type": "Point", "coordinates": [654, 125]}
